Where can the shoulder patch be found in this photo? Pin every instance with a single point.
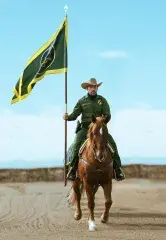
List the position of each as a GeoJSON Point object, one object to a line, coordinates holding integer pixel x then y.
{"type": "Point", "coordinates": [100, 101]}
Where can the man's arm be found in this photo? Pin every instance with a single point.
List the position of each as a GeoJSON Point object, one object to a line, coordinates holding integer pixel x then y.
{"type": "Point", "coordinates": [76, 112]}
{"type": "Point", "coordinates": [106, 110]}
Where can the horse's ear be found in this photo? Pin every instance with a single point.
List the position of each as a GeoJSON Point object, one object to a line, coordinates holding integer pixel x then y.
{"type": "Point", "coordinates": [107, 118]}
{"type": "Point", "coordinates": [93, 118]}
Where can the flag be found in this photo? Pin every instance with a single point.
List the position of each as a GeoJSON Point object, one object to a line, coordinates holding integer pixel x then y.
{"type": "Point", "coordinates": [51, 58]}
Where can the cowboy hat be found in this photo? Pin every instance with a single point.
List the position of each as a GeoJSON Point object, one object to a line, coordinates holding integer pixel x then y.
{"type": "Point", "coordinates": [91, 81]}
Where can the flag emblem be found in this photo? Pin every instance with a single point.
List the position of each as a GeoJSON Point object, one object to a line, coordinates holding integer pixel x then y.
{"type": "Point", "coordinates": [46, 60]}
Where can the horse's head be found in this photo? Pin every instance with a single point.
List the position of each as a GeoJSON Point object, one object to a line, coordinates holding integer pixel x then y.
{"type": "Point", "coordinates": [98, 135]}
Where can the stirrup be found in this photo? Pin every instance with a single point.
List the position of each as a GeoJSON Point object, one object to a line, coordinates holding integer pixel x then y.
{"type": "Point", "coordinates": [70, 175]}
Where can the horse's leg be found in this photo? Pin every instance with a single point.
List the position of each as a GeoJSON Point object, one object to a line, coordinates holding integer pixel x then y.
{"type": "Point", "coordinates": [108, 201]}
{"type": "Point", "coordinates": [76, 188]}
{"type": "Point", "coordinates": [91, 205]}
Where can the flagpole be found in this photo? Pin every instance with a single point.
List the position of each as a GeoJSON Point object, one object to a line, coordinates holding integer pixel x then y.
{"type": "Point", "coordinates": [65, 150]}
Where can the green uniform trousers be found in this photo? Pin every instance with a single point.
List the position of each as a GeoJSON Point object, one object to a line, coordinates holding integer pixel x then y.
{"type": "Point", "coordinates": [80, 137]}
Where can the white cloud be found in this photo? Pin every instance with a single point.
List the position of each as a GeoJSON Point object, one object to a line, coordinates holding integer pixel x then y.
{"type": "Point", "coordinates": [33, 136]}
{"type": "Point", "coordinates": [138, 132]}
{"type": "Point", "coordinates": [113, 54]}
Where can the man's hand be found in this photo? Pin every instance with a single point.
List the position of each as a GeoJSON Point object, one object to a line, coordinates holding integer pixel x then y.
{"type": "Point", "coordinates": [65, 116]}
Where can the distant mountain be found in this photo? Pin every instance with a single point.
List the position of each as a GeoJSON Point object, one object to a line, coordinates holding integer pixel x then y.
{"type": "Point", "coordinates": [144, 160]}
{"type": "Point", "coordinates": [31, 164]}
{"type": "Point", "coordinates": [59, 163]}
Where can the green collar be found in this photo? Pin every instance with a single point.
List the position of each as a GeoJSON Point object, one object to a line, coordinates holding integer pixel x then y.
{"type": "Point", "coordinates": [92, 97]}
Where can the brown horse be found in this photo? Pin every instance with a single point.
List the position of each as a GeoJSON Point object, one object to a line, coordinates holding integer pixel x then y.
{"type": "Point", "coordinates": [95, 168]}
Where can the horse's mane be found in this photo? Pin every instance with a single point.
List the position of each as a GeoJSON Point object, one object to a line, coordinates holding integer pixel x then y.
{"type": "Point", "coordinates": [92, 127]}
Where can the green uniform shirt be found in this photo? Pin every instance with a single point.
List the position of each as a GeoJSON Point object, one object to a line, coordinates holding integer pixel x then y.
{"type": "Point", "coordinates": [86, 106]}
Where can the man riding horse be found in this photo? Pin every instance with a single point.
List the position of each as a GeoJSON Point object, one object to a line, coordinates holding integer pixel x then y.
{"type": "Point", "coordinates": [88, 105]}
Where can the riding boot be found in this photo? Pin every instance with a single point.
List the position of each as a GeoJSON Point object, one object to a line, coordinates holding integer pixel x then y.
{"type": "Point", "coordinates": [118, 172]}
{"type": "Point", "coordinates": [72, 173]}
{"type": "Point", "coordinates": [79, 139]}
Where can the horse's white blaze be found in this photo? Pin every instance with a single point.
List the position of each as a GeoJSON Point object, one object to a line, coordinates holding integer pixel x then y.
{"type": "Point", "coordinates": [92, 226]}
{"type": "Point", "coordinates": [101, 131]}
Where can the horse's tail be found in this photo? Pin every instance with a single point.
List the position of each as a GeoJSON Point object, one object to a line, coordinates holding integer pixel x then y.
{"type": "Point", "coordinates": [71, 196]}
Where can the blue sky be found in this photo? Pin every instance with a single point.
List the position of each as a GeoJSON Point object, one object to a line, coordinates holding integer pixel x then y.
{"type": "Point", "coordinates": [121, 43]}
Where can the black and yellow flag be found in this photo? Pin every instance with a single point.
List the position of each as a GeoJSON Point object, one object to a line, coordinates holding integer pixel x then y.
{"type": "Point", "coordinates": [51, 58]}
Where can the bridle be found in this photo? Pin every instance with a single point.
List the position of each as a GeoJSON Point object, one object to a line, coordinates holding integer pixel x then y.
{"type": "Point", "coordinates": [97, 133]}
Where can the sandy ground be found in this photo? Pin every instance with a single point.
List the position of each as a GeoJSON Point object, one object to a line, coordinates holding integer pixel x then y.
{"type": "Point", "coordinates": [39, 211]}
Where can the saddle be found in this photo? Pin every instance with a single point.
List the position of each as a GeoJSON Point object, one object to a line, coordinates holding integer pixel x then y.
{"type": "Point", "coordinates": [70, 150]}
{"type": "Point", "coordinates": [84, 145]}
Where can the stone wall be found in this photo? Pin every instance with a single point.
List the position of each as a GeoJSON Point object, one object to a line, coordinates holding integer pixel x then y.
{"type": "Point", "coordinates": [56, 174]}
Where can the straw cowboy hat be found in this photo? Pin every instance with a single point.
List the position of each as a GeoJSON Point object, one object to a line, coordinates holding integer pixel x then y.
{"type": "Point", "coordinates": [91, 81]}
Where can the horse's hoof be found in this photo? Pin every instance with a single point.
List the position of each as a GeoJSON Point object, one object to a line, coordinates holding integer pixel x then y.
{"type": "Point", "coordinates": [77, 216]}
{"type": "Point", "coordinates": [104, 219]}
{"type": "Point", "coordinates": [92, 226]}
